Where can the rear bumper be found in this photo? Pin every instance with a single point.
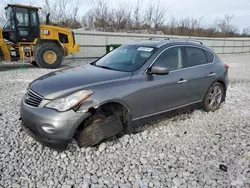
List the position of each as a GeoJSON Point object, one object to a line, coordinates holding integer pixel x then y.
{"type": "Point", "coordinates": [226, 79]}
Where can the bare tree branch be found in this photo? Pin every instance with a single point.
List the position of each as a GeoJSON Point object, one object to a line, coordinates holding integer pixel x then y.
{"type": "Point", "coordinates": [123, 17]}
{"type": "Point", "coordinates": [137, 14]}
{"type": "Point", "coordinates": [224, 25]}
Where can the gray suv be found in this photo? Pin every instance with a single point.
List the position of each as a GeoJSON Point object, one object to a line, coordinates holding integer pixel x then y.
{"type": "Point", "coordinates": [111, 95]}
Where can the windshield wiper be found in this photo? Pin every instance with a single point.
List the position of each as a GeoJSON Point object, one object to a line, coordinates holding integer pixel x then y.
{"type": "Point", "coordinates": [104, 67]}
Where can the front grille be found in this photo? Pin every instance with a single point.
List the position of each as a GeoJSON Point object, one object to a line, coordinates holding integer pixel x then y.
{"type": "Point", "coordinates": [32, 98]}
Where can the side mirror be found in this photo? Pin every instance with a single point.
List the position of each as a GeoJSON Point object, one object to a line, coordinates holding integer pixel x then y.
{"type": "Point", "coordinates": [158, 70]}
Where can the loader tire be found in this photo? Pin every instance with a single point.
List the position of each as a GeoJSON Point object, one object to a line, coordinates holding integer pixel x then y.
{"type": "Point", "coordinates": [34, 63]}
{"type": "Point", "coordinates": [49, 56]}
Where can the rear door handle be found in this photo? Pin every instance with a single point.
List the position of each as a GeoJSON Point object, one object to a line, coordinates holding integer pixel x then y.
{"type": "Point", "coordinates": [181, 81]}
{"type": "Point", "coordinates": [212, 74]}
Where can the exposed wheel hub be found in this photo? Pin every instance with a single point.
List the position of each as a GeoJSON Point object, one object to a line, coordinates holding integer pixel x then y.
{"type": "Point", "coordinates": [50, 57]}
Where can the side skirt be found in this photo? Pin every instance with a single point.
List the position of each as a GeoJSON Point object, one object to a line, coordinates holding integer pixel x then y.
{"type": "Point", "coordinates": [139, 122]}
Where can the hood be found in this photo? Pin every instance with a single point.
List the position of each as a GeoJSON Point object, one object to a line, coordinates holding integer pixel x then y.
{"type": "Point", "coordinates": [69, 80]}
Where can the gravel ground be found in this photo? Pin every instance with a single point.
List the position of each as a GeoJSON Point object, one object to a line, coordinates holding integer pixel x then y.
{"type": "Point", "coordinates": [184, 151]}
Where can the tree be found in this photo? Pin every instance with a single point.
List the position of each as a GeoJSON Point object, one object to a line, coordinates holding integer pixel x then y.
{"type": "Point", "coordinates": [172, 25]}
{"type": "Point", "coordinates": [246, 31]}
{"type": "Point", "coordinates": [137, 15]}
{"type": "Point", "coordinates": [123, 17]}
{"type": "Point", "coordinates": [101, 12]}
{"type": "Point", "coordinates": [159, 15]}
{"type": "Point", "coordinates": [62, 12]}
{"type": "Point", "coordinates": [155, 15]}
{"type": "Point", "coordinates": [88, 19]}
{"type": "Point", "coordinates": [148, 20]}
{"type": "Point", "coordinates": [120, 16]}
{"type": "Point", "coordinates": [75, 9]}
{"type": "Point", "coordinates": [225, 27]}
{"type": "Point", "coordinates": [195, 25]}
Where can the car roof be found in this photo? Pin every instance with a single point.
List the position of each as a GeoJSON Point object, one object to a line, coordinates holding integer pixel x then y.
{"type": "Point", "coordinates": [166, 42]}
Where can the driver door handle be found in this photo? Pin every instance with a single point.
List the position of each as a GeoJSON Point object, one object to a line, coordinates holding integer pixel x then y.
{"type": "Point", "coordinates": [181, 81]}
{"type": "Point", "coordinates": [212, 74]}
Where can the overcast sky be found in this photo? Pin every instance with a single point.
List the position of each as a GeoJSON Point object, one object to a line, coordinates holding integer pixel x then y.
{"type": "Point", "coordinates": [209, 9]}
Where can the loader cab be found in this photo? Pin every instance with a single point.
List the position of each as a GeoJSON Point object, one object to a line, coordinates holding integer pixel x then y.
{"type": "Point", "coordinates": [22, 23]}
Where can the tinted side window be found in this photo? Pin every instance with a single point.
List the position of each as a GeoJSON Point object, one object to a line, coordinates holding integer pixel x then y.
{"type": "Point", "coordinates": [33, 18]}
{"type": "Point", "coordinates": [195, 56]}
{"type": "Point", "coordinates": [22, 17]}
{"type": "Point", "coordinates": [210, 56]}
{"type": "Point", "coordinates": [171, 58]}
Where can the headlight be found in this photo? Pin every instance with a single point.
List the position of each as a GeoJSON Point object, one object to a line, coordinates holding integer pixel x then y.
{"type": "Point", "coordinates": [66, 103]}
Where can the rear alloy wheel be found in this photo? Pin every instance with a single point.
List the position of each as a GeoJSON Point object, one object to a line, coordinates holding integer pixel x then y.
{"type": "Point", "coordinates": [213, 98]}
{"type": "Point", "coordinates": [49, 55]}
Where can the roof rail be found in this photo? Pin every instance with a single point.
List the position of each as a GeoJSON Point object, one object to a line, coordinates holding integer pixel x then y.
{"type": "Point", "coordinates": [176, 39]}
{"type": "Point", "coordinates": [194, 40]}
{"type": "Point", "coordinates": [159, 38]}
{"type": "Point", "coordinates": [186, 40]}
{"type": "Point", "coordinates": [134, 40]}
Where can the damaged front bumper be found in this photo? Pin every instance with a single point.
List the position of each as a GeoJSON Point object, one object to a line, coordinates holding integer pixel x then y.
{"type": "Point", "coordinates": [64, 124]}
{"type": "Point", "coordinates": [57, 144]}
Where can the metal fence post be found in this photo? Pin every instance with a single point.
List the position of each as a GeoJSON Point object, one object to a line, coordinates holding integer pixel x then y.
{"type": "Point", "coordinates": [106, 39]}
{"type": "Point", "coordinates": [234, 46]}
{"type": "Point", "coordinates": [249, 46]}
{"type": "Point", "coordinates": [224, 45]}
{"type": "Point", "coordinates": [243, 44]}
{"type": "Point", "coordinates": [213, 44]}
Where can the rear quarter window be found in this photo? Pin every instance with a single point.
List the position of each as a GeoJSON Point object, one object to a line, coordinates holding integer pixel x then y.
{"type": "Point", "coordinates": [210, 56]}
{"type": "Point", "coordinates": [195, 56]}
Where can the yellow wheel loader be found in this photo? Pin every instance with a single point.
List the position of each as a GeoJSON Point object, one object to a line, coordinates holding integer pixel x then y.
{"type": "Point", "coordinates": [24, 38]}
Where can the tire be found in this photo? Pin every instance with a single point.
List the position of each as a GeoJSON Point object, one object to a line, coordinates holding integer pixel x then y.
{"type": "Point", "coordinates": [49, 56]}
{"type": "Point", "coordinates": [34, 63]}
{"type": "Point", "coordinates": [208, 105]}
{"type": "Point", "coordinates": [92, 133]}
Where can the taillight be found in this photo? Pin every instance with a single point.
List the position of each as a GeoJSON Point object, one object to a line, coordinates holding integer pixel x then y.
{"type": "Point", "coordinates": [226, 66]}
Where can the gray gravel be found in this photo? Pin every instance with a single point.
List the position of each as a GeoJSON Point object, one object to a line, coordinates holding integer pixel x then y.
{"type": "Point", "coordinates": [184, 151]}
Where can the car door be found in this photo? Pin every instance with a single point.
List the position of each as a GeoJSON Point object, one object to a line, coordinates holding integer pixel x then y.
{"type": "Point", "coordinates": [160, 93]}
{"type": "Point", "coordinates": [198, 73]}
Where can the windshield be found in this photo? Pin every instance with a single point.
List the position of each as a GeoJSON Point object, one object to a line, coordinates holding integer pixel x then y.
{"type": "Point", "coordinates": [126, 58]}
{"type": "Point", "coordinates": [10, 20]}
{"type": "Point", "coordinates": [22, 17]}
